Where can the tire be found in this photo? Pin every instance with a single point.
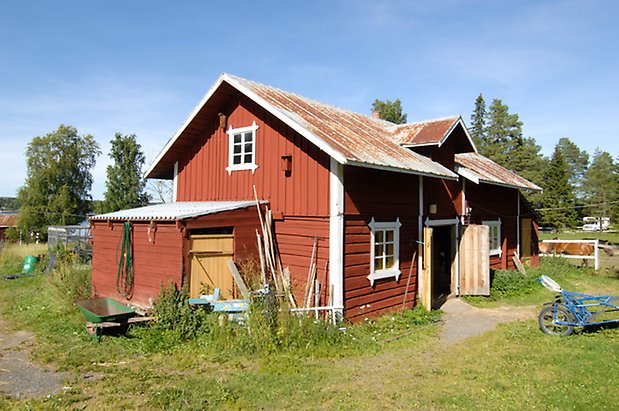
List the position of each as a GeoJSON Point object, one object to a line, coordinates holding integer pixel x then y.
{"type": "Point", "coordinates": [547, 317]}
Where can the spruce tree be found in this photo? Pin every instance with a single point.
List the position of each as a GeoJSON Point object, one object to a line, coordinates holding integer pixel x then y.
{"type": "Point", "coordinates": [600, 185]}
{"type": "Point", "coordinates": [578, 161]}
{"type": "Point", "coordinates": [558, 194]}
{"type": "Point", "coordinates": [478, 121]}
{"type": "Point", "coordinates": [125, 187]}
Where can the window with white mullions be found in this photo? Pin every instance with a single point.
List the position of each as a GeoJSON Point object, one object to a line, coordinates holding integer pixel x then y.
{"type": "Point", "coordinates": [242, 148]}
{"type": "Point", "coordinates": [494, 236]}
{"type": "Point", "coordinates": [385, 250]}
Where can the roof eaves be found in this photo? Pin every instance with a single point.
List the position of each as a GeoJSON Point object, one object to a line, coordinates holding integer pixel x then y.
{"type": "Point", "coordinates": [287, 119]}
{"type": "Point", "coordinates": [447, 176]}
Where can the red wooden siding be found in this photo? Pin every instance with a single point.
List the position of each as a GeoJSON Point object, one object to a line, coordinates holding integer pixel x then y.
{"type": "Point", "coordinates": [295, 238]}
{"type": "Point", "coordinates": [384, 196]}
{"type": "Point", "coordinates": [155, 262]}
{"type": "Point", "coordinates": [491, 202]}
{"type": "Point", "coordinates": [203, 176]}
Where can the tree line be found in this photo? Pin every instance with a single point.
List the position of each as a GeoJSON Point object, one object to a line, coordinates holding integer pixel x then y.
{"type": "Point", "coordinates": [59, 179]}
{"type": "Point", "coordinates": [574, 184]}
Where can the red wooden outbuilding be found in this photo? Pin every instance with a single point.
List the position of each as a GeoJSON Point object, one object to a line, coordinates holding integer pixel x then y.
{"type": "Point", "coordinates": [386, 205]}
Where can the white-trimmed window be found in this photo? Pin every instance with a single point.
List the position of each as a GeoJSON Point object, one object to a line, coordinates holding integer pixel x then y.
{"type": "Point", "coordinates": [242, 148]}
{"type": "Point", "coordinates": [494, 237]}
{"type": "Point", "coordinates": [385, 251]}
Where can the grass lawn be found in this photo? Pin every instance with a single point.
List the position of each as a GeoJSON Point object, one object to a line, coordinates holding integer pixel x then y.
{"type": "Point", "coordinates": [514, 367]}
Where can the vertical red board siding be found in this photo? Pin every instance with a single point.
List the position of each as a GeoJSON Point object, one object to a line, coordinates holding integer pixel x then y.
{"type": "Point", "coordinates": [157, 262]}
{"type": "Point", "coordinates": [384, 196]}
{"type": "Point", "coordinates": [295, 238]}
{"type": "Point", "coordinates": [203, 175]}
{"type": "Point", "coordinates": [490, 202]}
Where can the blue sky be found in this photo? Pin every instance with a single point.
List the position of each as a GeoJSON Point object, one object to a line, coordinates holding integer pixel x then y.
{"type": "Point", "coordinates": [141, 66]}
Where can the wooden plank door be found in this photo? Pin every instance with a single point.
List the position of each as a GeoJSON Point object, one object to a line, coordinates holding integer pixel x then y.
{"type": "Point", "coordinates": [208, 255]}
{"type": "Point", "coordinates": [426, 278]}
{"type": "Point", "coordinates": [475, 260]}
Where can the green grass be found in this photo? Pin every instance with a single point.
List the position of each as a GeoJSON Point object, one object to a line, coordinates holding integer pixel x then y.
{"type": "Point", "coordinates": [514, 367]}
{"type": "Point", "coordinates": [612, 237]}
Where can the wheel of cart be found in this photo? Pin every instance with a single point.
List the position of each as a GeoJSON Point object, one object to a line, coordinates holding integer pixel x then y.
{"type": "Point", "coordinates": [571, 309]}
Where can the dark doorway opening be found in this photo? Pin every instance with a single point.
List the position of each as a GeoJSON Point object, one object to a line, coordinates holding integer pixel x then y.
{"type": "Point", "coordinates": [442, 258]}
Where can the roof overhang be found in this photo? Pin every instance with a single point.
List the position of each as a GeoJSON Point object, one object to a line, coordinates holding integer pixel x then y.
{"type": "Point", "coordinates": [181, 210]}
{"type": "Point", "coordinates": [477, 179]}
{"type": "Point", "coordinates": [448, 174]}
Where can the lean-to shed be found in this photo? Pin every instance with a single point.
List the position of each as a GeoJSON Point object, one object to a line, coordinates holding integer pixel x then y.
{"type": "Point", "coordinates": [181, 243]}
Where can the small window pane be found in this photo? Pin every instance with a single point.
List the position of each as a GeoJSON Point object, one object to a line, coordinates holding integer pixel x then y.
{"type": "Point", "coordinates": [248, 137]}
{"type": "Point", "coordinates": [236, 159]}
{"type": "Point", "coordinates": [237, 149]}
{"type": "Point", "coordinates": [247, 158]}
{"type": "Point", "coordinates": [378, 250]}
{"type": "Point", "coordinates": [237, 138]}
{"type": "Point", "coordinates": [389, 235]}
{"type": "Point", "coordinates": [389, 248]}
{"type": "Point", "coordinates": [248, 148]}
{"type": "Point", "coordinates": [379, 263]}
{"type": "Point", "coordinates": [389, 261]}
{"type": "Point", "coordinates": [379, 237]}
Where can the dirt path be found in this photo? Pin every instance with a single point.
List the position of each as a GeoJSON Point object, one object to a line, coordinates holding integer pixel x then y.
{"type": "Point", "coordinates": [462, 320]}
{"type": "Point", "coordinates": [19, 377]}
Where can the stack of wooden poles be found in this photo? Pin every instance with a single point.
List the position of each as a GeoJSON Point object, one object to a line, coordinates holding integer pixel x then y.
{"type": "Point", "coordinates": [271, 269]}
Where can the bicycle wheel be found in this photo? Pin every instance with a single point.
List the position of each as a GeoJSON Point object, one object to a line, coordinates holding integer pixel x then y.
{"type": "Point", "coordinates": [548, 324]}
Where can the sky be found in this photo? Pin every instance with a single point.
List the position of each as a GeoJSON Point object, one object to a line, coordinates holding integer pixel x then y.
{"type": "Point", "coordinates": [141, 66]}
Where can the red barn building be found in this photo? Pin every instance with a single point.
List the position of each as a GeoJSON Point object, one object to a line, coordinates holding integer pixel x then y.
{"type": "Point", "coordinates": [380, 200]}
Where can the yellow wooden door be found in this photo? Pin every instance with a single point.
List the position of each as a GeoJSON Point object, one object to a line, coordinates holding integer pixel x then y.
{"type": "Point", "coordinates": [209, 254]}
{"type": "Point", "coordinates": [475, 260]}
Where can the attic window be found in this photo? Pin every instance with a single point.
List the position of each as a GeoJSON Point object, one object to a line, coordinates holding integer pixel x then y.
{"type": "Point", "coordinates": [385, 250]}
{"type": "Point", "coordinates": [242, 148]}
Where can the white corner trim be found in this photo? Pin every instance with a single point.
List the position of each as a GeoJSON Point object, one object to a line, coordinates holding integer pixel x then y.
{"type": "Point", "coordinates": [336, 234]}
{"type": "Point", "coordinates": [175, 183]}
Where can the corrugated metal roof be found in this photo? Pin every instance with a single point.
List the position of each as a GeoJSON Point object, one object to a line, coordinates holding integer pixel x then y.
{"type": "Point", "coordinates": [346, 136]}
{"type": "Point", "coordinates": [478, 168]}
{"type": "Point", "coordinates": [8, 219]}
{"type": "Point", "coordinates": [424, 132]}
{"type": "Point", "coordinates": [174, 211]}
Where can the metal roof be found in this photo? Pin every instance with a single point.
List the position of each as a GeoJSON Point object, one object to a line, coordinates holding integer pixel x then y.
{"type": "Point", "coordinates": [348, 137]}
{"type": "Point", "coordinates": [8, 219]}
{"type": "Point", "coordinates": [477, 168]}
{"type": "Point", "coordinates": [174, 211]}
{"type": "Point", "coordinates": [424, 132]}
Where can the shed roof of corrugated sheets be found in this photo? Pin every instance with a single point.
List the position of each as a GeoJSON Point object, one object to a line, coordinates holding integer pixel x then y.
{"type": "Point", "coordinates": [488, 171]}
{"type": "Point", "coordinates": [174, 211]}
{"type": "Point", "coordinates": [8, 219]}
{"type": "Point", "coordinates": [424, 132]}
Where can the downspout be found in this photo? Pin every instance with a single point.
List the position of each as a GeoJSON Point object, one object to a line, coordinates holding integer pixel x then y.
{"type": "Point", "coordinates": [336, 236]}
{"type": "Point", "coordinates": [420, 240]}
{"type": "Point", "coordinates": [175, 183]}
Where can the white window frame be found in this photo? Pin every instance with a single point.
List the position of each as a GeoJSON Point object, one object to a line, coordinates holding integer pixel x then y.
{"type": "Point", "coordinates": [243, 166]}
{"type": "Point", "coordinates": [494, 225]}
{"type": "Point", "coordinates": [394, 270]}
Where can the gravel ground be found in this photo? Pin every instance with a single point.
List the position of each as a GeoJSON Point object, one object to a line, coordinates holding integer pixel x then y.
{"type": "Point", "coordinates": [19, 377]}
{"type": "Point", "coordinates": [462, 320]}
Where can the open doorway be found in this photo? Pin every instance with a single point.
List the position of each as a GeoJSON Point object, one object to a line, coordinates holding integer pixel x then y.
{"type": "Point", "coordinates": [442, 264]}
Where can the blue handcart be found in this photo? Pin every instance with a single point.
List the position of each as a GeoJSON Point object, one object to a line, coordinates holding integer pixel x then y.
{"type": "Point", "coordinates": [571, 309]}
